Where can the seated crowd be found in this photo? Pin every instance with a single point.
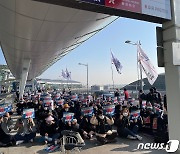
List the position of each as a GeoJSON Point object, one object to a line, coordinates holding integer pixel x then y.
{"type": "Point", "coordinates": [103, 118]}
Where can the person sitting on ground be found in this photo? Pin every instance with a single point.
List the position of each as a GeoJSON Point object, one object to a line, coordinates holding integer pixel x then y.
{"type": "Point", "coordinates": [26, 130]}
{"type": "Point", "coordinates": [5, 139]}
{"type": "Point", "coordinates": [86, 128]}
{"type": "Point", "coordinates": [49, 130]}
{"type": "Point", "coordinates": [74, 127]}
{"type": "Point", "coordinates": [7, 123]}
{"type": "Point", "coordinates": [103, 132]}
{"type": "Point", "coordinates": [64, 110]}
{"type": "Point", "coordinates": [136, 124]}
{"type": "Point", "coordinates": [123, 126]}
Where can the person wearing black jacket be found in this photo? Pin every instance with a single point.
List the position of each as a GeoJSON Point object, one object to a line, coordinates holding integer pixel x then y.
{"type": "Point", "coordinates": [5, 139]}
{"type": "Point", "coordinates": [65, 109]}
{"type": "Point", "coordinates": [116, 94]}
{"type": "Point", "coordinates": [86, 128]}
{"type": "Point", "coordinates": [158, 97]}
{"type": "Point", "coordinates": [20, 107]}
{"type": "Point", "coordinates": [123, 126]}
{"type": "Point", "coordinates": [49, 130]}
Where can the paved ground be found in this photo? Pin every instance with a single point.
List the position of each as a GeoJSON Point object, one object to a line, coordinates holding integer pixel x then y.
{"type": "Point", "coordinates": [124, 146]}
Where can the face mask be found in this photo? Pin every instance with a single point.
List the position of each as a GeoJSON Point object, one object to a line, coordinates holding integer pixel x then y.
{"type": "Point", "coordinates": [45, 108]}
{"type": "Point", "coordinates": [49, 122]}
{"type": "Point", "coordinates": [66, 109]}
{"type": "Point", "coordinates": [125, 114]}
{"type": "Point", "coordinates": [101, 117]}
{"type": "Point", "coordinates": [36, 103]}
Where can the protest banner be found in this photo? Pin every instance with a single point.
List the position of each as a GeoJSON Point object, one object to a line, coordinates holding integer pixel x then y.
{"type": "Point", "coordinates": [134, 114]}
{"type": "Point", "coordinates": [115, 100]}
{"type": "Point", "coordinates": [47, 98]}
{"type": "Point", "coordinates": [68, 117]}
{"type": "Point", "coordinates": [28, 113]}
{"type": "Point", "coordinates": [60, 102]}
{"type": "Point", "coordinates": [87, 111]}
{"type": "Point", "coordinates": [47, 103]}
{"type": "Point", "coordinates": [109, 110]}
{"type": "Point", "coordinates": [2, 110]}
{"type": "Point", "coordinates": [74, 97]}
{"type": "Point", "coordinates": [146, 120]}
{"type": "Point", "coordinates": [5, 108]}
{"type": "Point", "coordinates": [155, 124]}
{"type": "Point", "coordinates": [90, 98]}
{"type": "Point", "coordinates": [144, 104]}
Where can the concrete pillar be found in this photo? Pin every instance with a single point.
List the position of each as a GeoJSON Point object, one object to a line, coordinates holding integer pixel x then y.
{"type": "Point", "coordinates": [24, 75]}
{"type": "Point", "coordinates": [171, 33]}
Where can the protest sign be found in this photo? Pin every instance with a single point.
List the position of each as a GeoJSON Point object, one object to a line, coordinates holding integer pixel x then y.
{"type": "Point", "coordinates": [87, 111]}
{"type": "Point", "coordinates": [68, 117]}
{"type": "Point", "coordinates": [134, 115]}
{"type": "Point", "coordinates": [109, 110]}
{"type": "Point", "coordinates": [28, 113]}
{"type": "Point", "coordinates": [60, 102]}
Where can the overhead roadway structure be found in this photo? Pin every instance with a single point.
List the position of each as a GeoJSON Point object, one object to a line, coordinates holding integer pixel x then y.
{"type": "Point", "coordinates": [43, 33]}
{"type": "Point", "coordinates": [34, 35]}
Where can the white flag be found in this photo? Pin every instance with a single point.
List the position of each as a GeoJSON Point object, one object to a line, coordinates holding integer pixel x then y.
{"type": "Point", "coordinates": [116, 63]}
{"type": "Point", "coordinates": [146, 65]}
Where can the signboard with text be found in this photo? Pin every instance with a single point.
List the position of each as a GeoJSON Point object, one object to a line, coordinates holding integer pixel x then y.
{"type": "Point", "coordinates": [129, 5]}
{"type": "Point", "coordinates": [156, 8]}
{"type": "Point", "coordinates": [100, 2]}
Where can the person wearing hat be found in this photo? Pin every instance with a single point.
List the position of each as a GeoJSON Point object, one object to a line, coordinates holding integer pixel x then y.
{"type": "Point", "coordinates": [64, 110]}
{"type": "Point", "coordinates": [49, 130]}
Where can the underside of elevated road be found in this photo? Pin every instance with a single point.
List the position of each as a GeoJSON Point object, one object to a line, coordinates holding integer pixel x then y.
{"type": "Point", "coordinates": [40, 33]}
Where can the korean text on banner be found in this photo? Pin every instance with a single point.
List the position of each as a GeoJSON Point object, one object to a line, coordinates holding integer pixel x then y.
{"type": "Point", "coordinates": [88, 111]}
{"type": "Point", "coordinates": [68, 117]}
{"type": "Point", "coordinates": [28, 113]}
{"type": "Point", "coordinates": [109, 110]}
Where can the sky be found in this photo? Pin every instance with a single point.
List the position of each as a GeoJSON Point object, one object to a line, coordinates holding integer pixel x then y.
{"type": "Point", "coordinates": [96, 52]}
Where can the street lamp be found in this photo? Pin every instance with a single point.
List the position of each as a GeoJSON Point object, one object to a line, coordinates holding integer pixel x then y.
{"type": "Point", "coordinates": [87, 75]}
{"type": "Point", "coordinates": [140, 69]}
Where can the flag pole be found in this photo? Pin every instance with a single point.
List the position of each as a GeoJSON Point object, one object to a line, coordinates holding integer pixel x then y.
{"type": "Point", "coordinates": [112, 73]}
{"type": "Point", "coordinates": [140, 68]}
{"type": "Point", "coordinates": [112, 76]}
